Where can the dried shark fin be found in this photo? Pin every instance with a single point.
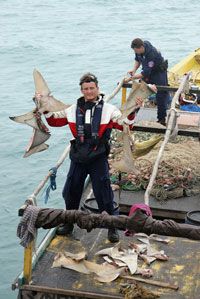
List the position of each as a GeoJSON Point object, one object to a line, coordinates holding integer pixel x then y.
{"type": "Point", "coordinates": [47, 101]}
{"type": "Point", "coordinates": [36, 149]}
{"type": "Point", "coordinates": [40, 133]}
{"type": "Point", "coordinates": [40, 84]}
{"type": "Point", "coordinates": [104, 272]}
{"type": "Point", "coordinates": [126, 162]}
{"type": "Point", "coordinates": [76, 256]}
{"type": "Point", "coordinates": [27, 118]}
{"type": "Point", "coordinates": [138, 90]}
{"type": "Point", "coordinates": [67, 262]}
{"type": "Point", "coordinates": [36, 143]}
{"type": "Point", "coordinates": [34, 120]}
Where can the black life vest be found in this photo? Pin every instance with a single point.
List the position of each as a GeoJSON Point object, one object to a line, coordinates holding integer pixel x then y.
{"type": "Point", "coordinates": [87, 146]}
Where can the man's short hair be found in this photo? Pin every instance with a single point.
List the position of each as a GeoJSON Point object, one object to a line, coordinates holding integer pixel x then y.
{"type": "Point", "coordinates": [88, 77]}
{"type": "Point", "coordinates": [137, 43]}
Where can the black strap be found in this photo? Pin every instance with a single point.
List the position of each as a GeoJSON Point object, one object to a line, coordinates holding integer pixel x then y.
{"type": "Point", "coordinates": [96, 121]}
{"type": "Point", "coordinates": [80, 119]}
{"type": "Point", "coordinates": [96, 113]}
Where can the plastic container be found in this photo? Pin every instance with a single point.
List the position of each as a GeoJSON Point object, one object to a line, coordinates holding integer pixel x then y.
{"type": "Point", "coordinates": [193, 218]}
{"type": "Point", "coordinates": [90, 204]}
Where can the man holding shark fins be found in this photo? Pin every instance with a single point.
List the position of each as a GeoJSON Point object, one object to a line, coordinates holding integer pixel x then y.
{"type": "Point", "coordinates": [90, 120]}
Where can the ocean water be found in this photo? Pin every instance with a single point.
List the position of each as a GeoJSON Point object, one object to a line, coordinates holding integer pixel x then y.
{"type": "Point", "coordinates": [63, 40]}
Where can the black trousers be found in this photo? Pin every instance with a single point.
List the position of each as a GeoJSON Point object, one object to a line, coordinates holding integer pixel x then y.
{"type": "Point", "coordinates": [99, 175]}
{"type": "Point", "coordinates": [162, 97]}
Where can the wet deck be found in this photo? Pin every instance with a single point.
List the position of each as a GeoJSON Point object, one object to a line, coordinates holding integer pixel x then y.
{"type": "Point", "coordinates": [183, 268]}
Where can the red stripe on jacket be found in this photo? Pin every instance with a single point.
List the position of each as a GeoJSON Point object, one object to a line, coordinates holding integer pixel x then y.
{"type": "Point", "coordinates": [107, 121]}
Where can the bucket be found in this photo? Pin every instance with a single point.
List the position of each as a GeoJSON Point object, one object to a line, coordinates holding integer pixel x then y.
{"type": "Point", "coordinates": [90, 204]}
{"type": "Point", "coordinates": [193, 218]}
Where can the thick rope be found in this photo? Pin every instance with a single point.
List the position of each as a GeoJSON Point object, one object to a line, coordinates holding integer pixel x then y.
{"type": "Point", "coordinates": [169, 131]}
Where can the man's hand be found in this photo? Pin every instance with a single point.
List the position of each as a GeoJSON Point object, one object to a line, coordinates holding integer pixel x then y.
{"type": "Point", "coordinates": [38, 96]}
{"type": "Point", "coordinates": [131, 73]}
{"type": "Point", "coordinates": [37, 114]}
{"type": "Point", "coordinates": [42, 103]}
{"type": "Point", "coordinates": [127, 79]}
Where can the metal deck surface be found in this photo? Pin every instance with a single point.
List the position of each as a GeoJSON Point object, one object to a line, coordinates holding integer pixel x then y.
{"type": "Point", "coordinates": [182, 268]}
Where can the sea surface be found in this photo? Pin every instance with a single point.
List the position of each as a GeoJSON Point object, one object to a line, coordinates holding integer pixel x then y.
{"type": "Point", "coordinates": [63, 40]}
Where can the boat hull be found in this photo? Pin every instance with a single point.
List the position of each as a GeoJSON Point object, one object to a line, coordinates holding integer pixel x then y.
{"type": "Point", "coordinates": [189, 64]}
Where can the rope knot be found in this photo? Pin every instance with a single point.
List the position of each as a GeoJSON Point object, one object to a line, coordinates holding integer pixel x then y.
{"type": "Point", "coordinates": [53, 178]}
{"type": "Point", "coordinates": [52, 184]}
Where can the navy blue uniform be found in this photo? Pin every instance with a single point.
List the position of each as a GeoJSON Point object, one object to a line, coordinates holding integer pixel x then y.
{"type": "Point", "coordinates": [89, 150]}
{"type": "Point", "coordinates": [99, 175]}
{"type": "Point", "coordinates": [154, 73]}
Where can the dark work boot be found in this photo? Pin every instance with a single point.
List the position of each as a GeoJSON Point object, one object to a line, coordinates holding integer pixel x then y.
{"type": "Point", "coordinates": [65, 230]}
{"type": "Point", "coordinates": [162, 122]}
{"type": "Point", "coordinates": [113, 235]}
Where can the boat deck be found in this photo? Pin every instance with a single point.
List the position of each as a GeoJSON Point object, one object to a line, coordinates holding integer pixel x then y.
{"type": "Point", "coordinates": [172, 208]}
{"type": "Point", "coordinates": [189, 125]}
{"type": "Point", "coordinates": [182, 268]}
{"type": "Point", "coordinates": [188, 122]}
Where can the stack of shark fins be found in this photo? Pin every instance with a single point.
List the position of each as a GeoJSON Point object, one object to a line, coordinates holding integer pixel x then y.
{"type": "Point", "coordinates": [33, 118]}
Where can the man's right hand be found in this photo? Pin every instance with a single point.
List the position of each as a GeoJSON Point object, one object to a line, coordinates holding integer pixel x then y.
{"type": "Point", "coordinates": [129, 77]}
{"type": "Point", "coordinates": [42, 103]}
{"type": "Point", "coordinates": [37, 114]}
{"type": "Point", "coordinates": [38, 96]}
{"type": "Point", "coordinates": [131, 73]}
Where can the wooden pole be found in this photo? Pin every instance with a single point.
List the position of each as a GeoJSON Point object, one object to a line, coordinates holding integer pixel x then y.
{"type": "Point", "coordinates": [123, 96]}
{"type": "Point", "coordinates": [115, 91]}
{"type": "Point", "coordinates": [28, 262]}
{"type": "Point", "coordinates": [153, 282]}
{"type": "Point", "coordinates": [170, 125]}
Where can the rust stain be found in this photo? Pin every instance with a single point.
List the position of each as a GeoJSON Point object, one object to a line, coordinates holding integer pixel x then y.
{"type": "Point", "coordinates": [77, 285]}
{"type": "Point", "coordinates": [176, 268]}
{"type": "Point", "coordinates": [62, 243]}
{"type": "Point", "coordinates": [156, 266]}
{"type": "Point", "coordinates": [188, 282]}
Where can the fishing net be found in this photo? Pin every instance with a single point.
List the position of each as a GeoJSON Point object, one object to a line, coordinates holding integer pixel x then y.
{"type": "Point", "coordinates": [136, 291]}
{"type": "Point", "coordinates": [178, 173]}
